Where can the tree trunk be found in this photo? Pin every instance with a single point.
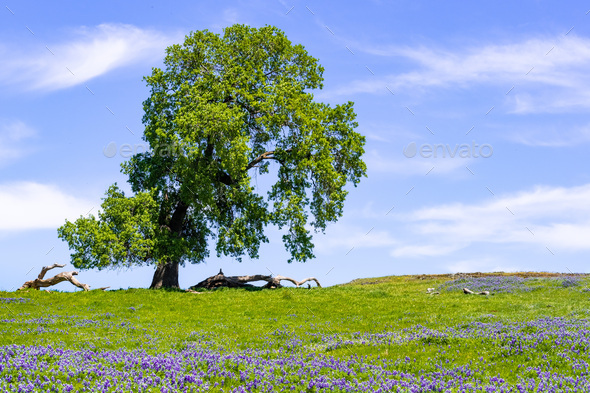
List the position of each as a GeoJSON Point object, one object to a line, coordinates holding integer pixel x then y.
{"type": "Point", "coordinates": [166, 276]}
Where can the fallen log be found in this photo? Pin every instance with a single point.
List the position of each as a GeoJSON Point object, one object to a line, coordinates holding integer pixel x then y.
{"type": "Point", "coordinates": [221, 280]}
{"type": "Point", "coordinates": [41, 282]}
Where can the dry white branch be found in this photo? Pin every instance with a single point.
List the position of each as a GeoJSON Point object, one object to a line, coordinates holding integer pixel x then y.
{"type": "Point", "coordinates": [46, 268]}
{"type": "Point", "coordinates": [468, 292]}
{"type": "Point", "coordinates": [40, 282]}
{"type": "Point", "coordinates": [298, 283]}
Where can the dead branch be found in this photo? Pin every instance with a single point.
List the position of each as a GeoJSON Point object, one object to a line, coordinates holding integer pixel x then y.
{"type": "Point", "coordinates": [221, 280]}
{"type": "Point", "coordinates": [299, 283]}
{"type": "Point", "coordinates": [46, 268]}
{"type": "Point", "coordinates": [468, 292]}
{"type": "Point", "coordinates": [40, 282]}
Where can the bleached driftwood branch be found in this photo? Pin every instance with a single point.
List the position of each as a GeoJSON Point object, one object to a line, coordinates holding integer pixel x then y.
{"type": "Point", "coordinates": [41, 282]}
{"type": "Point", "coordinates": [221, 280]}
{"type": "Point", "coordinates": [278, 279]}
{"type": "Point", "coordinates": [468, 292]}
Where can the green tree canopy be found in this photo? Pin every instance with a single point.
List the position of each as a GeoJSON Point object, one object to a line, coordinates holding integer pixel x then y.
{"type": "Point", "coordinates": [224, 108]}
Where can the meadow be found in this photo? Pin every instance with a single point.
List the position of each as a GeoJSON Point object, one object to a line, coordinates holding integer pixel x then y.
{"type": "Point", "coordinates": [372, 335]}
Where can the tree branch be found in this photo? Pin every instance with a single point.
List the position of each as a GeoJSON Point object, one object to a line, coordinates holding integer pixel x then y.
{"type": "Point", "coordinates": [39, 282]}
{"type": "Point", "coordinates": [268, 155]}
{"type": "Point", "coordinates": [47, 268]}
{"type": "Point", "coordinates": [264, 156]}
{"type": "Point", "coordinates": [469, 292]}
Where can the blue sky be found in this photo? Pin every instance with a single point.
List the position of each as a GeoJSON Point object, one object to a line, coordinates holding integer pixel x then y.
{"type": "Point", "coordinates": [476, 118]}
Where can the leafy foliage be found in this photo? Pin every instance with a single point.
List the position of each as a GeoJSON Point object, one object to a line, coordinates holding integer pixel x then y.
{"type": "Point", "coordinates": [224, 108]}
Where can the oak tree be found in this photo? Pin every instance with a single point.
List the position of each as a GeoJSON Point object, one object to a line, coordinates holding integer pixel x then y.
{"type": "Point", "coordinates": [224, 108]}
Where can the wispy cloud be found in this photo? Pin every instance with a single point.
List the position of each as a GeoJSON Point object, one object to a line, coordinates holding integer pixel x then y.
{"type": "Point", "coordinates": [426, 250]}
{"type": "Point", "coordinates": [557, 218]}
{"type": "Point", "coordinates": [556, 67]}
{"type": "Point", "coordinates": [231, 16]}
{"type": "Point", "coordinates": [13, 137]}
{"type": "Point", "coordinates": [30, 205]}
{"type": "Point", "coordinates": [344, 237]}
{"type": "Point", "coordinates": [481, 265]}
{"type": "Point", "coordinates": [93, 51]}
{"type": "Point", "coordinates": [549, 217]}
{"type": "Point", "coordinates": [550, 135]}
{"type": "Point", "coordinates": [396, 163]}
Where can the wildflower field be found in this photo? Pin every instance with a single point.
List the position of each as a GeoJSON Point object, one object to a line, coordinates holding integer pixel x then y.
{"type": "Point", "coordinates": [372, 335]}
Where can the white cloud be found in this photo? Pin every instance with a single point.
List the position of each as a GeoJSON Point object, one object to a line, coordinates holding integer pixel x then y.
{"type": "Point", "coordinates": [558, 218]}
{"type": "Point", "coordinates": [344, 237]}
{"type": "Point", "coordinates": [400, 165]}
{"type": "Point", "coordinates": [481, 265]}
{"type": "Point", "coordinates": [551, 136]}
{"type": "Point", "coordinates": [231, 16]}
{"type": "Point", "coordinates": [376, 137]}
{"type": "Point", "coordinates": [427, 250]}
{"type": "Point", "coordinates": [29, 205]}
{"type": "Point", "coordinates": [554, 217]}
{"type": "Point", "coordinates": [13, 136]}
{"type": "Point", "coordinates": [94, 52]}
{"type": "Point", "coordinates": [557, 68]}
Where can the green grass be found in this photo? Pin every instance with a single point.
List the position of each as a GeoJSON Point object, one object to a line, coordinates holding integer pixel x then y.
{"type": "Point", "coordinates": [238, 319]}
{"type": "Point", "coordinates": [248, 316]}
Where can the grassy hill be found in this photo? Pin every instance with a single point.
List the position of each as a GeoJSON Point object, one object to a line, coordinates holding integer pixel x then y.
{"type": "Point", "coordinates": [531, 333]}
